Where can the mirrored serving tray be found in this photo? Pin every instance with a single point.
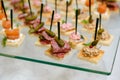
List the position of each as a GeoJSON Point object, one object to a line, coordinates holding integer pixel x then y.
{"type": "Point", "coordinates": [29, 52]}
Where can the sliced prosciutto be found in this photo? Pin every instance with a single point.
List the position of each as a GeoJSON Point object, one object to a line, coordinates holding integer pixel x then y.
{"type": "Point", "coordinates": [22, 15]}
{"type": "Point", "coordinates": [47, 39]}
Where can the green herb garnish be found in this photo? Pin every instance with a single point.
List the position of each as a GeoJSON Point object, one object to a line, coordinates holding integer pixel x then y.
{"type": "Point", "coordinates": [4, 40]}
{"type": "Point", "coordinates": [82, 36]}
{"type": "Point", "coordinates": [87, 44]}
{"type": "Point", "coordinates": [85, 21]}
{"type": "Point", "coordinates": [63, 21]}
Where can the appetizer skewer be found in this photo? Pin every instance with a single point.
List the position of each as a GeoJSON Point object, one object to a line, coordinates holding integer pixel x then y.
{"type": "Point", "coordinates": [59, 48]}
{"type": "Point", "coordinates": [66, 28]}
{"type": "Point", "coordinates": [46, 36]}
{"type": "Point", "coordinates": [13, 37]}
{"type": "Point", "coordinates": [75, 39]}
{"type": "Point", "coordinates": [90, 52]}
{"type": "Point", "coordinates": [57, 16]}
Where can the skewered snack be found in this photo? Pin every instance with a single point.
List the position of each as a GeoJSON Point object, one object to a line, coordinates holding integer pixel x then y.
{"type": "Point", "coordinates": [76, 40]}
{"type": "Point", "coordinates": [91, 54]}
{"type": "Point", "coordinates": [104, 37]}
{"type": "Point", "coordinates": [13, 38]}
{"type": "Point", "coordinates": [59, 49]}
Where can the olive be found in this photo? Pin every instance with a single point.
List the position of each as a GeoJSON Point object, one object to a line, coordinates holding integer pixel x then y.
{"type": "Point", "coordinates": [94, 43]}
{"type": "Point", "coordinates": [31, 30]}
{"type": "Point", "coordinates": [31, 17]}
{"type": "Point", "coordinates": [90, 19]}
{"type": "Point", "coordinates": [60, 42]}
{"type": "Point", "coordinates": [70, 2]}
{"type": "Point", "coordinates": [41, 37]}
{"type": "Point", "coordinates": [50, 33]}
{"type": "Point", "coordinates": [39, 26]}
{"type": "Point", "coordinates": [100, 31]}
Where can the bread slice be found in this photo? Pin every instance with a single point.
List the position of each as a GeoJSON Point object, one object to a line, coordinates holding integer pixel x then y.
{"type": "Point", "coordinates": [47, 14]}
{"type": "Point", "coordinates": [37, 43]}
{"type": "Point", "coordinates": [17, 43]}
{"type": "Point", "coordinates": [48, 22]}
{"type": "Point", "coordinates": [91, 59]}
{"type": "Point", "coordinates": [79, 45]}
{"type": "Point", "coordinates": [70, 14]}
{"type": "Point", "coordinates": [107, 42]}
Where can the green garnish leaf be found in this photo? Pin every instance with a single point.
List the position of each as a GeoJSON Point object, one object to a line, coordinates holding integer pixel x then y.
{"type": "Point", "coordinates": [63, 21]}
{"type": "Point", "coordinates": [82, 36]}
{"type": "Point", "coordinates": [18, 24]}
{"type": "Point", "coordinates": [4, 40]}
{"type": "Point", "coordinates": [85, 21]}
{"type": "Point", "coordinates": [87, 44]}
{"type": "Point", "coordinates": [6, 8]}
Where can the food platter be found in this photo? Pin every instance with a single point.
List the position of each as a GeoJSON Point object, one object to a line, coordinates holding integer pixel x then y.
{"type": "Point", "coordinates": [28, 51]}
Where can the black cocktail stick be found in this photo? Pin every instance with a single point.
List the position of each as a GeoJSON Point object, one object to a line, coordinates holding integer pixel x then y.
{"type": "Point", "coordinates": [66, 11]}
{"type": "Point", "coordinates": [90, 15]}
{"type": "Point", "coordinates": [11, 14]}
{"type": "Point", "coordinates": [59, 30]}
{"type": "Point", "coordinates": [46, 2]}
{"type": "Point", "coordinates": [52, 20]}
{"type": "Point", "coordinates": [56, 6]}
{"type": "Point", "coordinates": [76, 20]}
{"type": "Point", "coordinates": [76, 4]}
{"type": "Point", "coordinates": [30, 7]}
{"type": "Point", "coordinates": [100, 17]}
{"type": "Point", "coordinates": [41, 10]}
{"type": "Point", "coordinates": [96, 28]}
{"type": "Point", "coordinates": [4, 9]}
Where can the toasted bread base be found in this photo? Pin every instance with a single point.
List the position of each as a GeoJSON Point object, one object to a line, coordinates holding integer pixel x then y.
{"type": "Point", "coordinates": [54, 23]}
{"type": "Point", "coordinates": [107, 42]}
{"type": "Point", "coordinates": [70, 14]}
{"type": "Point", "coordinates": [78, 46]}
{"type": "Point", "coordinates": [91, 59]}
{"type": "Point", "coordinates": [47, 14]}
{"type": "Point", "coordinates": [16, 44]}
{"type": "Point", "coordinates": [67, 33]}
{"type": "Point", "coordinates": [89, 31]}
{"type": "Point", "coordinates": [37, 43]}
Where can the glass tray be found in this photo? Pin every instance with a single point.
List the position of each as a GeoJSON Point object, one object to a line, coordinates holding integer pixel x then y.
{"type": "Point", "coordinates": [29, 52]}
